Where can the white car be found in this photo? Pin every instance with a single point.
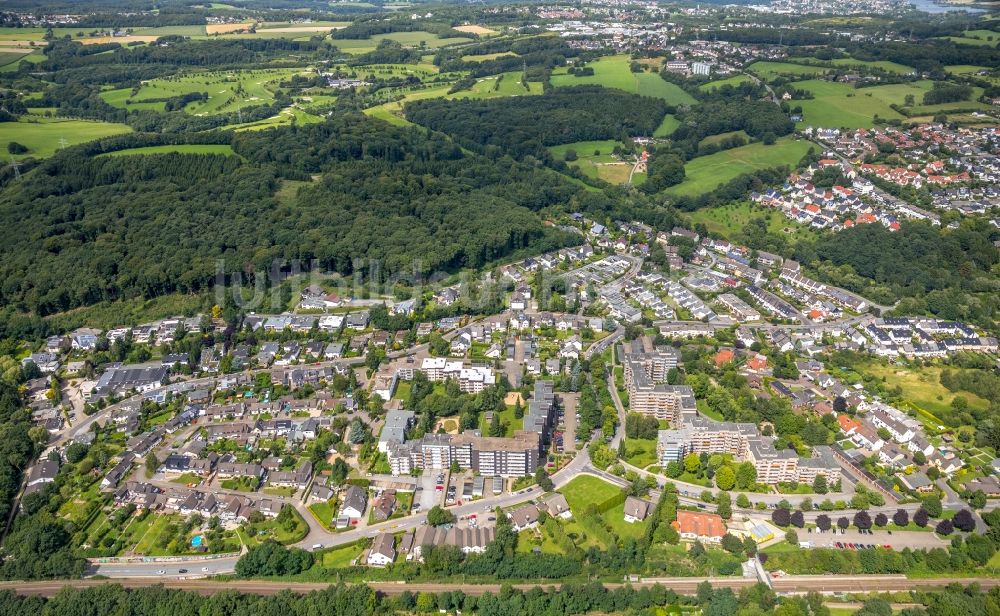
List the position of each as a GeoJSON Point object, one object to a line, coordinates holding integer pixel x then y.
{"type": "Point", "coordinates": [204, 569]}
{"type": "Point", "coordinates": [161, 572]}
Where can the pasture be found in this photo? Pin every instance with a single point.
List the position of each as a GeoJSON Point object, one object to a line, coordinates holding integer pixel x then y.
{"type": "Point", "coordinates": [841, 105]}
{"type": "Point", "coordinates": [728, 220]}
{"type": "Point", "coordinates": [705, 173]}
{"type": "Point", "coordinates": [667, 126]}
{"type": "Point", "coordinates": [615, 72]}
{"type": "Point", "coordinates": [41, 135]}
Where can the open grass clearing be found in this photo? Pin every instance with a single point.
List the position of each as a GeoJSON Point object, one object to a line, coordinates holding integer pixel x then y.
{"type": "Point", "coordinates": [735, 80]}
{"type": "Point", "coordinates": [667, 126]}
{"type": "Point", "coordinates": [705, 173]}
{"type": "Point", "coordinates": [178, 149]}
{"type": "Point", "coordinates": [728, 220]}
{"type": "Point", "coordinates": [640, 452]}
{"type": "Point", "coordinates": [615, 72]}
{"type": "Point", "coordinates": [922, 386]}
{"type": "Point", "coordinates": [42, 135]}
{"type": "Point", "coordinates": [770, 70]}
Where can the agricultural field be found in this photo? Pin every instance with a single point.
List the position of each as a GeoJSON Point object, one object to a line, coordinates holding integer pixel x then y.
{"type": "Point", "coordinates": [15, 58]}
{"type": "Point", "coordinates": [406, 39]}
{"type": "Point", "coordinates": [705, 173]}
{"type": "Point", "coordinates": [735, 80]}
{"type": "Point", "coordinates": [179, 149]}
{"type": "Point", "coordinates": [841, 105]}
{"type": "Point", "coordinates": [42, 135]}
{"type": "Point", "coordinates": [227, 91]}
{"type": "Point", "coordinates": [478, 30]}
{"type": "Point", "coordinates": [595, 160]}
{"type": "Point", "coordinates": [614, 72]}
{"type": "Point", "coordinates": [984, 38]}
{"type": "Point", "coordinates": [483, 57]}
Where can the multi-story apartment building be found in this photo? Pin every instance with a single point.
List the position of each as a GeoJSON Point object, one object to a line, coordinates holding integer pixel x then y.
{"type": "Point", "coordinates": [700, 434]}
{"type": "Point", "coordinates": [743, 311]}
{"type": "Point", "coordinates": [472, 379]}
{"type": "Point", "coordinates": [645, 369]}
{"type": "Point", "coordinates": [516, 456]}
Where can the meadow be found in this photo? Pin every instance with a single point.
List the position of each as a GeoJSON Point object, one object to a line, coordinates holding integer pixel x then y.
{"type": "Point", "coordinates": [728, 220]}
{"type": "Point", "coordinates": [667, 126]}
{"type": "Point", "coordinates": [885, 65]}
{"type": "Point", "coordinates": [179, 149]}
{"type": "Point", "coordinates": [42, 135]}
{"type": "Point", "coordinates": [735, 80]}
{"type": "Point", "coordinates": [770, 70]}
{"type": "Point", "coordinates": [615, 72]}
{"type": "Point", "coordinates": [921, 386]}
{"type": "Point", "coordinates": [705, 173]}
{"type": "Point", "coordinates": [505, 84]}
{"type": "Point", "coordinates": [841, 105]}
{"type": "Point", "coordinates": [602, 165]}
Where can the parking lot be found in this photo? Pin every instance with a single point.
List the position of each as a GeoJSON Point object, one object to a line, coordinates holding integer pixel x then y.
{"type": "Point", "coordinates": [898, 540]}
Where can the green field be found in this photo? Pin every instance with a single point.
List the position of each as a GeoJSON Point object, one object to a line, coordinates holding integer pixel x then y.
{"type": "Point", "coordinates": [770, 70]}
{"type": "Point", "coordinates": [841, 105]}
{"type": "Point", "coordinates": [705, 173]}
{"type": "Point", "coordinates": [505, 84]}
{"type": "Point", "coordinates": [730, 219]}
{"type": "Point", "coordinates": [487, 56]}
{"type": "Point", "coordinates": [34, 57]}
{"type": "Point", "coordinates": [180, 149]}
{"type": "Point", "coordinates": [922, 386]}
{"type": "Point", "coordinates": [667, 126]}
{"type": "Point", "coordinates": [285, 117]}
{"type": "Point", "coordinates": [340, 557]}
{"type": "Point", "coordinates": [41, 135]}
{"type": "Point", "coordinates": [587, 490]}
{"type": "Point", "coordinates": [885, 65]}
{"type": "Point", "coordinates": [984, 38]}
{"type": "Point", "coordinates": [614, 72]}
{"type": "Point", "coordinates": [603, 165]}
{"type": "Point", "coordinates": [640, 452]}
{"type": "Point", "coordinates": [406, 39]}
{"type": "Point", "coordinates": [227, 91]}
{"type": "Point", "coordinates": [735, 80]}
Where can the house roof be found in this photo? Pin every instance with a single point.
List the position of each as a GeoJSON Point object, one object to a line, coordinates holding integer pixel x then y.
{"type": "Point", "coordinates": [700, 524]}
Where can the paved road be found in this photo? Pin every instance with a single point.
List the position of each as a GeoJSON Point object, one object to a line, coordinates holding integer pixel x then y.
{"type": "Point", "coordinates": [171, 570]}
{"type": "Point", "coordinates": [789, 584]}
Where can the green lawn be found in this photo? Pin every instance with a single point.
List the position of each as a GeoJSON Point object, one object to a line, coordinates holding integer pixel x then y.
{"type": "Point", "coordinates": [342, 556]}
{"type": "Point", "coordinates": [186, 478]}
{"type": "Point", "coordinates": [705, 173]}
{"type": "Point", "coordinates": [180, 149]}
{"type": "Point", "coordinates": [41, 135]}
{"type": "Point", "coordinates": [640, 452]}
{"type": "Point", "coordinates": [506, 416]}
{"type": "Point", "coordinates": [587, 490]}
{"type": "Point", "coordinates": [323, 512]}
{"type": "Point", "coordinates": [287, 116]}
{"type": "Point", "coordinates": [615, 72]}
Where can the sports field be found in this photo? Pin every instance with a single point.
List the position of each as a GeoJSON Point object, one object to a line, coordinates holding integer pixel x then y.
{"type": "Point", "coordinates": [41, 135]}
{"type": "Point", "coordinates": [227, 91]}
{"type": "Point", "coordinates": [614, 72]}
{"type": "Point", "coordinates": [706, 173]}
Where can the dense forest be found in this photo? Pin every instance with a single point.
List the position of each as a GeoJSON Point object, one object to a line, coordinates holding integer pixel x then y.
{"type": "Point", "coordinates": [522, 126]}
{"type": "Point", "coordinates": [75, 232]}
